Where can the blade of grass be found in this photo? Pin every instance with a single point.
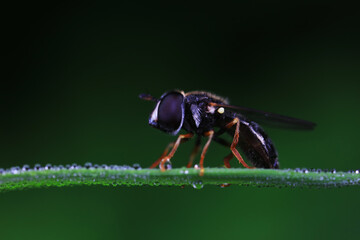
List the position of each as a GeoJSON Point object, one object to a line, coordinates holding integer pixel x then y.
{"type": "Point", "coordinates": [17, 178]}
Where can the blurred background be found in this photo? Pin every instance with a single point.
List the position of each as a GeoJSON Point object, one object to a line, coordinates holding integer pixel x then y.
{"type": "Point", "coordinates": [69, 94]}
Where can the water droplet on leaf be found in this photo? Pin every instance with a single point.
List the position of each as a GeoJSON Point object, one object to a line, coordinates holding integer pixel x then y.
{"type": "Point", "coordinates": [168, 165]}
{"type": "Point", "coordinates": [88, 165]}
{"type": "Point", "coordinates": [26, 167]}
{"type": "Point", "coordinates": [198, 185]}
{"type": "Point", "coordinates": [136, 166]}
{"type": "Point", "coordinates": [48, 166]}
{"type": "Point", "coordinates": [37, 167]}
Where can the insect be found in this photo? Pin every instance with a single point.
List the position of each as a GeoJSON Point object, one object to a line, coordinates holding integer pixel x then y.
{"type": "Point", "coordinates": [203, 114]}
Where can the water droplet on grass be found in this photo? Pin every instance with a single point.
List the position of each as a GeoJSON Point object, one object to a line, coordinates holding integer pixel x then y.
{"type": "Point", "coordinates": [88, 165]}
{"type": "Point", "coordinates": [37, 167]}
{"type": "Point", "coordinates": [136, 166]}
{"type": "Point", "coordinates": [156, 184]}
{"type": "Point", "coordinates": [15, 170]}
{"type": "Point", "coordinates": [168, 165]}
{"type": "Point", "coordinates": [48, 166]}
{"type": "Point", "coordinates": [25, 168]}
{"type": "Point", "coordinates": [74, 166]}
{"type": "Point", "coordinates": [198, 185]}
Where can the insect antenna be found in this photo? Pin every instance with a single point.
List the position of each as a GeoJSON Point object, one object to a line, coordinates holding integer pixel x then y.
{"type": "Point", "coordinates": [147, 97]}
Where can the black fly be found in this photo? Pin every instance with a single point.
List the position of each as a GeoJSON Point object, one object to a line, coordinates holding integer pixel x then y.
{"type": "Point", "coordinates": [201, 113]}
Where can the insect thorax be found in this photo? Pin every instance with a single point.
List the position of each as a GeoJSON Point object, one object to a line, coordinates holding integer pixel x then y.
{"type": "Point", "coordinates": [200, 116]}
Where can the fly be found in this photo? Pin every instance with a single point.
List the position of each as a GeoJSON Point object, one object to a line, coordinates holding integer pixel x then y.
{"type": "Point", "coordinates": [204, 114]}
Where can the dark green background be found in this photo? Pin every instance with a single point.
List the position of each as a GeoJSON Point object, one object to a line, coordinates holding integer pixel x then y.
{"type": "Point", "coordinates": [69, 94]}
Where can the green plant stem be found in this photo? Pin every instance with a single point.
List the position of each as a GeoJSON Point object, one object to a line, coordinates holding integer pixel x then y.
{"type": "Point", "coordinates": [18, 179]}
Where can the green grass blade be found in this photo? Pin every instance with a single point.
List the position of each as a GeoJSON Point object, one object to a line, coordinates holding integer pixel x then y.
{"type": "Point", "coordinates": [16, 178]}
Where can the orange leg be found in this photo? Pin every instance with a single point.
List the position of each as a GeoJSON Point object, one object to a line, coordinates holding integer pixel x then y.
{"type": "Point", "coordinates": [173, 150]}
{"type": "Point", "coordinates": [194, 152]}
{"type": "Point", "coordinates": [157, 162]}
{"type": "Point", "coordinates": [227, 165]}
{"type": "Point", "coordinates": [209, 134]}
{"type": "Point", "coordinates": [236, 140]}
{"type": "Point", "coordinates": [227, 160]}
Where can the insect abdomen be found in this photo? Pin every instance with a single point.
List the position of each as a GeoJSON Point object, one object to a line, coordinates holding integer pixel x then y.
{"type": "Point", "coordinates": [255, 144]}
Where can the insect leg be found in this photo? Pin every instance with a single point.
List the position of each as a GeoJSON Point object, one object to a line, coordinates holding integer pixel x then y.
{"type": "Point", "coordinates": [210, 135]}
{"type": "Point", "coordinates": [236, 140]}
{"type": "Point", "coordinates": [180, 139]}
{"type": "Point", "coordinates": [157, 162]}
{"type": "Point", "coordinates": [194, 152]}
{"type": "Point", "coordinates": [227, 160]}
{"type": "Point", "coordinates": [226, 144]}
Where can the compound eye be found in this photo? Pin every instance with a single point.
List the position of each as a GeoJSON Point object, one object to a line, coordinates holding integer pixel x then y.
{"type": "Point", "coordinates": [170, 112]}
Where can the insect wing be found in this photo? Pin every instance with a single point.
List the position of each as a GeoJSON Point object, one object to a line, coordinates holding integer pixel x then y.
{"type": "Point", "coordinates": [272, 119]}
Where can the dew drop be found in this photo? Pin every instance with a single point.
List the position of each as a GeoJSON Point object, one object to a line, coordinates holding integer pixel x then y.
{"type": "Point", "coordinates": [125, 167]}
{"type": "Point", "coordinates": [74, 166]}
{"type": "Point", "coordinates": [136, 166]}
{"type": "Point", "coordinates": [184, 172]}
{"type": "Point", "coordinates": [168, 165]}
{"type": "Point", "coordinates": [37, 167]}
{"type": "Point", "coordinates": [15, 170]}
{"type": "Point", "coordinates": [198, 185]}
{"type": "Point", "coordinates": [25, 168]}
{"type": "Point", "coordinates": [156, 184]}
{"type": "Point", "coordinates": [48, 166]}
{"type": "Point", "coordinates": [88, 165]}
